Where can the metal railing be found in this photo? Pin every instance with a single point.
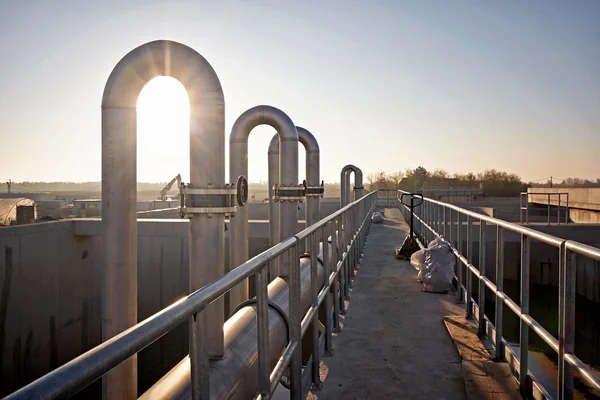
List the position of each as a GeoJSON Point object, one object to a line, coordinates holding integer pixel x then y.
{"type": "Point", "coordinates": [524, 205]}
{"type": "Point", "coordinates": [437, 219]}
{"type": "Point", "coordinates": [347, 229]}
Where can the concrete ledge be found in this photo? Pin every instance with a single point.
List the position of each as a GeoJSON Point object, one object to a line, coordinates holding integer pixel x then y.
{"type": "Point", "coordinates": [484, 378]}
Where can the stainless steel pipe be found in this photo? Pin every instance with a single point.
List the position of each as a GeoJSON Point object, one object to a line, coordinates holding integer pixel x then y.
{"type": "Point", "coordinates": [236, 375]}
{"type": "Point", "coordinates": [313, 167]}
{"type": "Point", "coordinates": [238, 165]}
{"type": "Point", "coordinates": [345, 196]}
{"type": "Point", "coordinates": [273, 167]}
{"type": "Point", "coordinates": [119, 189]}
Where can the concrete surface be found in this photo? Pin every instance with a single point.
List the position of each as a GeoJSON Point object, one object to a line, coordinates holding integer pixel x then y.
{"type": "Point", "coordinates": [484, 377]}
{"type": "Point", "coordinates": [393, 344]}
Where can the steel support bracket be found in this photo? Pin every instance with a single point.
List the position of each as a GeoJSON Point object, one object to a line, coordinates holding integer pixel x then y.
{"type": "Point", "coordinates": [291, 193]}
{"type": "Point", "coordinates": [213, 200]}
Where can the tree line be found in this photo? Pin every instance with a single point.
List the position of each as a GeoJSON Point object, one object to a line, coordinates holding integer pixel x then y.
{"type": "Point", "coordinates": [493, 182]}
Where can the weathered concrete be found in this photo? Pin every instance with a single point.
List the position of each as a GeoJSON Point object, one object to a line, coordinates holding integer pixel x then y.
{"type": "Point", "coordinates": [484, 378]}
{"type": "Point", "coordinates": [393, 344]}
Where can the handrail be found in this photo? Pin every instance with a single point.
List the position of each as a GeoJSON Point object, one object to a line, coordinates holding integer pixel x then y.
{"type": "Point", "coordinates": [568, 250]}
{"type": "Point", "coordinates": [353, 223]}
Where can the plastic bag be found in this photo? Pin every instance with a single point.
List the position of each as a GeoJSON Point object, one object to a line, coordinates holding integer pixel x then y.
{"type": "Point", "coordinates": [377, 217]}
{"type": "Point", "coordinates": [418, 259]}
{"type": "Point", "coordinates": [438, 272]}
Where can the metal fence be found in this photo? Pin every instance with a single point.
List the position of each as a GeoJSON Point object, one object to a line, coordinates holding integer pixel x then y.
{"type": "Point", "coordinates": [438, 219]}
{"type": "Point", "coordinates": [524, 206]}
{"type": "Point", "coordinates": [347, 230]}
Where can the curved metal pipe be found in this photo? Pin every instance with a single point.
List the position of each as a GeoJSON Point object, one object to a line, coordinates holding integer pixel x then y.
{"type": "Point", "coordinates": [119, 189]}
{"type": "Point", "coordinates": [313, 167]}
{"type": "Point", "coordinates": [238, 165]}
{"type": "Point", "coordinates": [345, 197]}
{"type": "Point", "coordinates": [236, 375]}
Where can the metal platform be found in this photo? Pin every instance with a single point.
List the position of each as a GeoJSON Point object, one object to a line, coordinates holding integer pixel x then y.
{"type": "Point", "coordinates": [393, 344]}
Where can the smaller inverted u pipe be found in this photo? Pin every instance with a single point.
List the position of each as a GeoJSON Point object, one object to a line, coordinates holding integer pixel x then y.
{"type": "Point", "coordinates": [345, 196]}
{"type": "Point", "coordinates": [238, 165]}
{"type": "Point", "coordinates": [313, 166]}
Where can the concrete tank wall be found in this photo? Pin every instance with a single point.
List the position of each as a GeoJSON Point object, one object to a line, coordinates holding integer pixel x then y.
{"type": "Point", "coordinates": [51, 277]}
{"type": "Point", "coordinates": [256, 211]}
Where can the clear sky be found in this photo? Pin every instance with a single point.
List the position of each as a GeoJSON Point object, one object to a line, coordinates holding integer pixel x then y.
{"type": "Point", "coordinates": [385, 85]}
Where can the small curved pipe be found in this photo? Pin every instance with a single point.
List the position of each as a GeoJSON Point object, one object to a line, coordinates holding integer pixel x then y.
{"type": "Point", "coordinates": [238, 165]}
{"type": "Point", "coordinates": [345, 197]}
{"type": "Point", "coordinates": [119, 189]}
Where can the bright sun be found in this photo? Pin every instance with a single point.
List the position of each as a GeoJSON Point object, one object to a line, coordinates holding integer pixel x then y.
{"type": "Point", "coordinates": [163, 125]}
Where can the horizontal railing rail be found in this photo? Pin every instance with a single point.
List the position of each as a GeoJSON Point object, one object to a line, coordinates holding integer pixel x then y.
{"type": "Point", "coordinates": [453, 223]}
{"type": "Point", "coordinates": [347, 230]}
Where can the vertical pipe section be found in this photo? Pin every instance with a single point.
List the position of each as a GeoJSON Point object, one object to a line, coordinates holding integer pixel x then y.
{"type": "Point", "coordinates": [119, 235]}
{"type": "Point", "coordinates": [238, 164]}
{"type": "Point", "coordinates": [273, 167]}
{"type": "Point", "coordinates": [207, 165]}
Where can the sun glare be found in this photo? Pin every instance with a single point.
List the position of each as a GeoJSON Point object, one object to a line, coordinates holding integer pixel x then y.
{"type": "Point", "coordinates": [163, 125]}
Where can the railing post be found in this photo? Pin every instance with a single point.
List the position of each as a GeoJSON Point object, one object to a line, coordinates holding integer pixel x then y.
{"type": "Point", "coordinates": [335, 227]}
{"type": "Point", "coordinates": [326, 268]}
{"type": "Point", "coordinates": [450, 235]}
{"type": "Point", "coordinates": [342, 273]}
{"type": "Point", "coordinates": [499, 289]}
{"type": "Point", "coordinates": [262, 327]}
{"type": "Point", "coordinates": [316, 356]}
{"type": "Point", "coordinates": [459, 265]}
{"type": "Point", "coordinates": [524, 328]}
{"type": "Point", "coordinates": [558, 210]}
{"type": "Point", "coordinates": [482, 246]}
{"type": "Point", "coordinates": [566, 340]}
{"type": "Point", "coordinates": [469, 285]}
{"type": "Point", "coordinates": [444, 221]}
{"type": "Point", "coordinates": [199, 367]}
{"type": "Point", "coordinates": [295, 322]}
{"type": "Point", "coordinates": [548, 208]}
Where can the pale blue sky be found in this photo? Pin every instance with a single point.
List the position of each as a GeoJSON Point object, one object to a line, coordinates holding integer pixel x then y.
{"type": "Point", "coordinates": [385, 85]}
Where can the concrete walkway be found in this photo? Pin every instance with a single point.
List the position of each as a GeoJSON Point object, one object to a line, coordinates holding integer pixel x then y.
{"type": "Point", "coordinates": [393, 344]}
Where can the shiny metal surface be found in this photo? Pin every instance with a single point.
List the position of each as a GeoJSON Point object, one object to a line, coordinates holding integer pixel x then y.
{"type": "Point", "coordinates": [236, 375]}
{"type": "Point", "coordinates": [238, 165]}
{"type": "Point", "coordinates": [119, 187]}
{"type": "Point", "coordinates": [313, 167]}
{"type": "Point", "coordinates": [345, 195]}
{"type": "Point", "coordinates": [273, 167]}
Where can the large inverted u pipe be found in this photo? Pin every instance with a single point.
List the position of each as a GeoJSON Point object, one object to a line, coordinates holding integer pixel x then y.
{"type": "Point", "coordinates": [312, 212]}
{"type": "Point", "coordinates": [119, 193]}
{"type": "Point", "coordinates": [238, 165]}
{"type": "Point", "coordinates": [345, 196]}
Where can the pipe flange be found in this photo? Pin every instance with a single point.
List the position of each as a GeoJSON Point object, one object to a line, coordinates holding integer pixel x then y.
{"type": "Point", "coordinates": [314, 191]}
{"type": "Point", "coordinates": [212, 200]}
{"type": "Point", "coordinates": [271, 304]}
{"type": "Point", "coordinates": [359, 188]}
{"type": "Point", "coordinates": [242, 191]}
{"type": "Point", "coordinates": [291, 193]}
